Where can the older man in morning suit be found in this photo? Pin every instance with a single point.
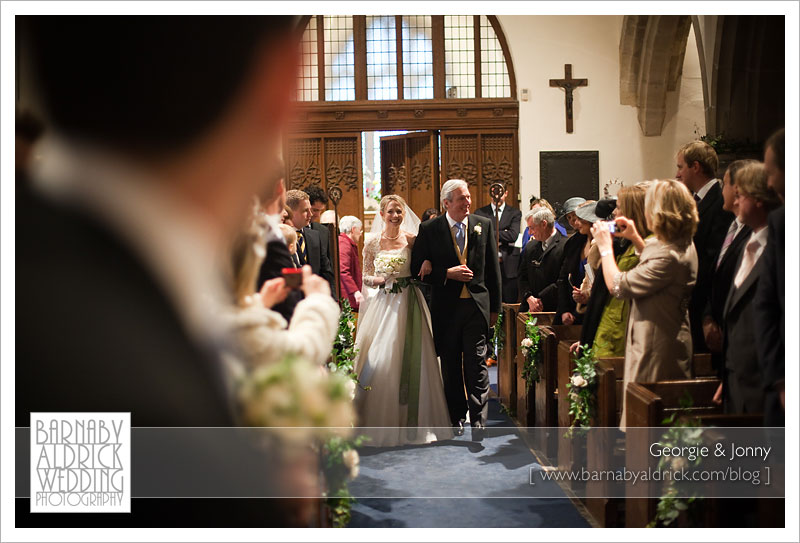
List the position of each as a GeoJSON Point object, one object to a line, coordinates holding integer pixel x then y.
{"type": "Point", "coordinates": [541, 264]}
{"type": "Point", "coordinates": [465, 280]}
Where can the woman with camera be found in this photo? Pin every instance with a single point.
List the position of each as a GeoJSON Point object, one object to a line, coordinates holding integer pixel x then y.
{"type": "Point", "coordinates": [659, 342]}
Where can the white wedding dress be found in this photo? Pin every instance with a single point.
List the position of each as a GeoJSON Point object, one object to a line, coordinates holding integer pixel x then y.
{"type": "Point", "coordinates": [397, 360]}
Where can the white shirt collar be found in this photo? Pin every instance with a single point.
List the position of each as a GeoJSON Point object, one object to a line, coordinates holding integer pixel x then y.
{"type": "Point", "coordinates": [549, 240]}
{"type": "Point", "coordinates": [705, 188]}
{"type": "Point", "coordinates": [760, 237]}
{"type": "Point", "coordinates": [452, 222]}
{"type": "Point", "coordinates": [178, 244]}
{"type": "Point", "coordinates": [502, 208]}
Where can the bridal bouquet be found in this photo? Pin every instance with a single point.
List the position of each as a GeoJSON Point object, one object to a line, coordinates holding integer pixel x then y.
{"type": "Point", "coordinates": [389, 265]}
{"type": "Point", "coordinates": [299, 400]}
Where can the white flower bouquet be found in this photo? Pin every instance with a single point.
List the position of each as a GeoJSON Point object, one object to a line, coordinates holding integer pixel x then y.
{"type": "Point", "coordinates": [389, 265]}
{"type": "Point", "coordinates": [299, 400]}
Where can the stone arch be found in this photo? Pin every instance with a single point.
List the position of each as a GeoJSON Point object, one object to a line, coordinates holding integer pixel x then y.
{"type": "Point", "coordinates": [742, 65]}
{"type": "Point", "coordinates": [651, 53]}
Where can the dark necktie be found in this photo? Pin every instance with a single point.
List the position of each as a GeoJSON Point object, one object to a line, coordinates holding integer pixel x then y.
{"type": "Point", "coordinates": [301, 248]}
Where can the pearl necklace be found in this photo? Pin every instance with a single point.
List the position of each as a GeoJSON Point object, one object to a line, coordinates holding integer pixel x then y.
{"type": "Point", "coordinates": [394, 238]}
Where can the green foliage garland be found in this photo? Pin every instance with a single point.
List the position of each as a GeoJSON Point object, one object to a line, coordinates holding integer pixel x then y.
{"type": "Point", "coordinates": [340, 464]}
{"type": "Point", "coordinates": [498, 336]}
{"type": "Point", "coordinates": [582, 397]}
{"type": "Point", "coordinates": [531, 349]}
{"type": "Point", "coordinates": [343, 357]}
{"type": "Point", "coordinates": [683, 431]}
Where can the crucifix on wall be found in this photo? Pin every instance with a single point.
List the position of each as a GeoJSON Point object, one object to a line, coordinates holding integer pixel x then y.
{"type": "Point", "coordinates": [569, 85]}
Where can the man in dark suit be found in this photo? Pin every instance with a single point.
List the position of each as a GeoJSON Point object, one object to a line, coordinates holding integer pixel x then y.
{"type": "Point", "coordinates": [742, 385]}
{"type": "Point", "coordinates": [770, 303]}
{"type": "Point", "coordinates": [510, 219]}
{"type": "Point", "coordinates": [311, 249]}
{"type": "Point", "coordinates": [124, 228]}
{"type": "Point", "coordinates": [319, 203]}
{"type": "Point", "coordinates": [697, 164]}
{"type": "Point", "coordinates": [732, 246]}
{"type": "Point", "coordinates": [541, 264]}
{"type": "Point", "coordinates": [465, 301]}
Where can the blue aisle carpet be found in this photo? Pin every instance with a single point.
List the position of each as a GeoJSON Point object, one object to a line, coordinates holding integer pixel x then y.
{"type": "Point", "coordinates": [450, 484]}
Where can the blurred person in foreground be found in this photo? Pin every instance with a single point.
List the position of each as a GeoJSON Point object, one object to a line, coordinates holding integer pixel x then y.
{"type": "Point", "coordinates": [658, 343]}
{"type": "Point", "coordinates": [133, 205]}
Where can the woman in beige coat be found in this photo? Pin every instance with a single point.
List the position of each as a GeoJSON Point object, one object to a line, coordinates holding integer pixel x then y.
{"type": "Point", "coordinates": [659, 341]}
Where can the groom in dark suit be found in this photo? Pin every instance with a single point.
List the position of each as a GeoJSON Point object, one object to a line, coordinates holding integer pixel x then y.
{"type": "Point", "coordinates": [465, 278]}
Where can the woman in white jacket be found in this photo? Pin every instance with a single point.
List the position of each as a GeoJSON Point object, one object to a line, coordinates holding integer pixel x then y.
{"type": "Point", "coordinates": [263, 336]}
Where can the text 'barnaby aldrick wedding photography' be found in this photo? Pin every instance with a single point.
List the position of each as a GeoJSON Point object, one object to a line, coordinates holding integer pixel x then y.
{"type": "Point", "coordinates": [80, 462]}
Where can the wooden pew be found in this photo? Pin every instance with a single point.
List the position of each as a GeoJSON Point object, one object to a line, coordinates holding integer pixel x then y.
{"type": "Point", "coordinates": [601, 454]}
{"type": "Point", "coordinates": [603, 451]}
{"type": "Point", "coordinates": [525, 405]}
{"type": "Point", "coordinates": [647, 406]}
{"type": "Point", "coordinates": [536, 406]}
{"type": "Point", "coordinates": [507, 365]}
{"type": "Point", "coordinates": [567, 447]}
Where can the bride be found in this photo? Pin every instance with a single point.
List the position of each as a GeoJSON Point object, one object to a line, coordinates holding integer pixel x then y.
{"type": "Point", "coordinates": [404, 401]}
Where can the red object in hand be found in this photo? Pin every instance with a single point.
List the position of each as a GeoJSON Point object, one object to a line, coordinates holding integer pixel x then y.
{"type": "Point", "coordinates": [293, 277]}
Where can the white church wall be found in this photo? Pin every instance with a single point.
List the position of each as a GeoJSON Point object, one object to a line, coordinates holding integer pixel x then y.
{"type": "Point", "coordinates": [540, 46]}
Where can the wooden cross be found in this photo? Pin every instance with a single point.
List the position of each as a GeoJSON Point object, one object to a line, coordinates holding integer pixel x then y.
{"type": "Point", "coordinates": [569, 85]}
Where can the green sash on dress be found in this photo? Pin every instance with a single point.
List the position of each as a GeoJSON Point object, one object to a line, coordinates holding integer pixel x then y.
{"type": "Point", "coordinates": [412, 363]}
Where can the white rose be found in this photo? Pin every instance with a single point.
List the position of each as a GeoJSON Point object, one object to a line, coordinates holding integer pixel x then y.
{"type": "Point", "coordinates": [578, 381]}
{"type": "Point", "coordinates": [351, 325]}
{"type": "Point", "coordinates": [351, 388]}
{"type": "Point", "coordinates": [524, 351]}
{"type": "Point", "coordinates": [527, 342]}
{"type": "Point", "coordinates": [678, 463]}
{"type": "Point", "coordinates": [351, 461]}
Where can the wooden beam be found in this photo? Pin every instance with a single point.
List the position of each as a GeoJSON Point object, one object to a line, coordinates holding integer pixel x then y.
{"type": "Point", "coordinates": [476, 25]}
{"type": "Point", "coordinates": [398, 27]}
{"type": "Point", "coordinates": [321, 56]}
{"type": "Point", "coordinates": [360, 49]}
{"type": "Point", "coordinates": [437, 35]}
{"type": "Point", "coordinates": [406, 115]}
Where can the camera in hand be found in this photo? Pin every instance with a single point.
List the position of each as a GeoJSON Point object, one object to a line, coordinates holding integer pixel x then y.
{"type": "Point", "coordinates": [293, 277]}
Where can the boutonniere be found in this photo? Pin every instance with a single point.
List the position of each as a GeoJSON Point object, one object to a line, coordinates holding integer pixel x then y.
{"type": "Point", "coordinates": [478, 229]}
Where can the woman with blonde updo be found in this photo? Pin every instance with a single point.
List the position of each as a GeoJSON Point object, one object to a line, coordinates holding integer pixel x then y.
{"type": "Point", "coordinates": [401, 398]}
{"type": "Point", "coordinates": [262, 335]}
{"type": "Point", "coordinates": [659, 341]}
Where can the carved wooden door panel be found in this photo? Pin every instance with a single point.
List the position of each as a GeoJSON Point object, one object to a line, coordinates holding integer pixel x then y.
{"type": "Point", "coordinates": [327, 160]}
{"type": "Point", "coordinates": [481, 158]}
{"type": "Point", "coordinates": [410, 168]}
